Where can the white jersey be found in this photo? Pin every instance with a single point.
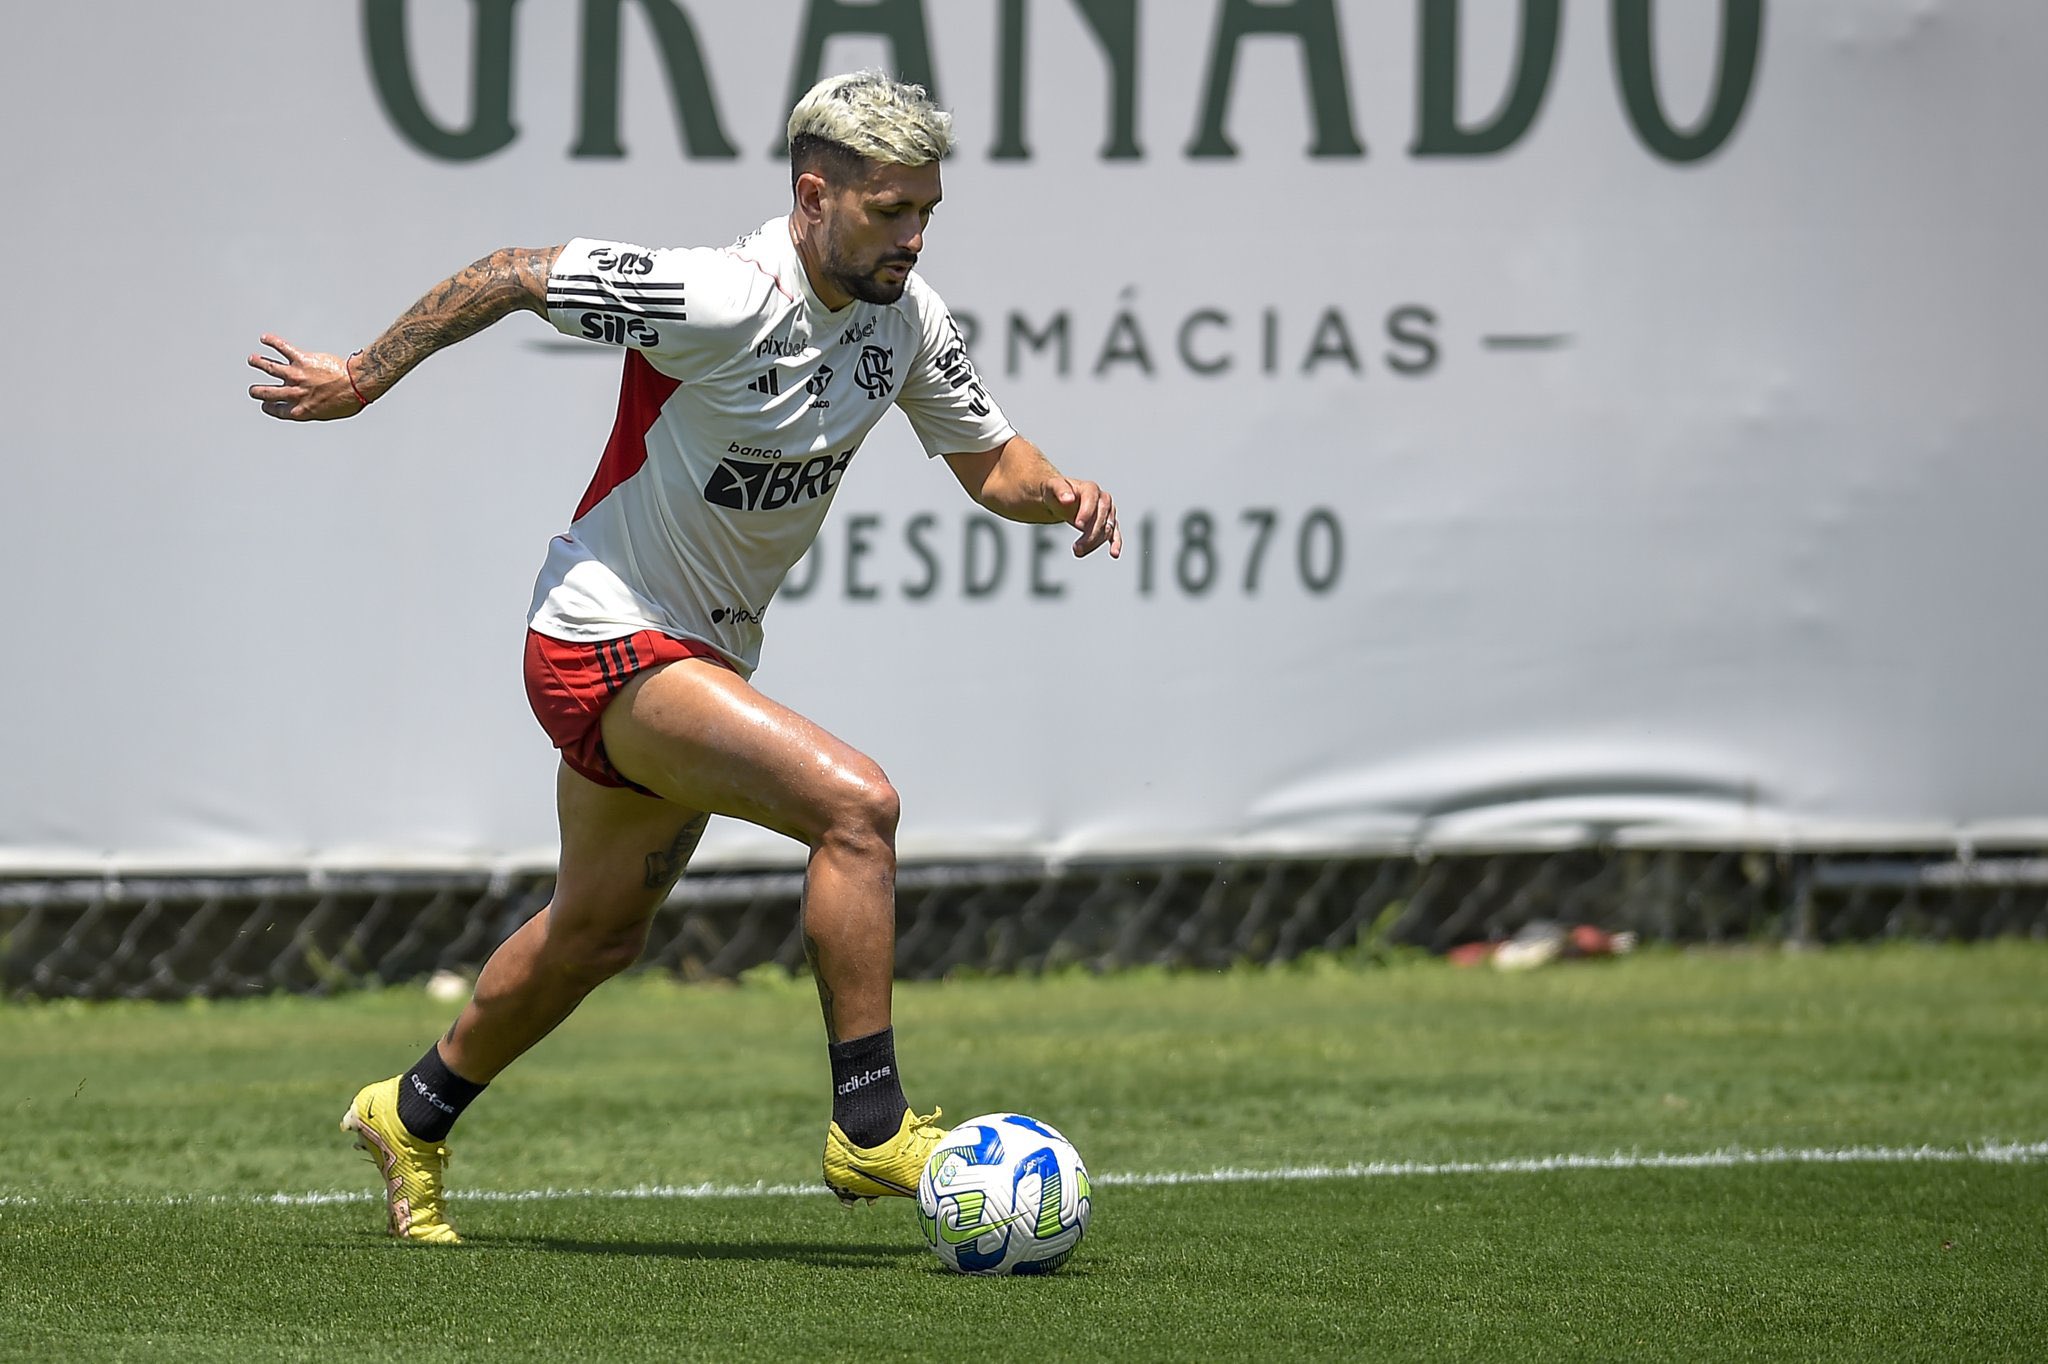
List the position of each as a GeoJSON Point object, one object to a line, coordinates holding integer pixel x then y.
{"type": "Point", "coordinates": [744, 399]}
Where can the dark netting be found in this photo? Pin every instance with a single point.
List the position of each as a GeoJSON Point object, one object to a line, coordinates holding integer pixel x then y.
{"type": "Point", "coordinates": [165, 937]}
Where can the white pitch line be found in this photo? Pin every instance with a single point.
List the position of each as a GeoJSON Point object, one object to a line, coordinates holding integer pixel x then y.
{"type": "Point", "coordinates": [1991, 1153]}
{"type": "Point", "coordinates": [1727, 1158]}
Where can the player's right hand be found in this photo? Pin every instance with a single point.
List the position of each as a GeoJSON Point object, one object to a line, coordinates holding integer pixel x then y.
{"type": "Point", "coordinates": [311, 386]}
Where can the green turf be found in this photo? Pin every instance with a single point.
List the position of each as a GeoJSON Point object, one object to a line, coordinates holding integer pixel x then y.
{"type": "Point", "coordinates": [109, 1113]}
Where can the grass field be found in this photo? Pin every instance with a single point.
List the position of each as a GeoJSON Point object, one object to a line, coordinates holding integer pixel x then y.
{"type": "Point", "coordinates": [639, 1188]}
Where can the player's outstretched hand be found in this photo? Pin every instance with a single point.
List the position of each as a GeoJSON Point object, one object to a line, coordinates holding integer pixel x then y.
{"type": "Point", "coordinates": [311, 386]}
{"type": "Point", "coordinates": [1091, 511]}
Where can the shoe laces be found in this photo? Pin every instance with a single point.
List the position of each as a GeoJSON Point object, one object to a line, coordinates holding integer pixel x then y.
{"type": "Point", "coordinates": [425, 1149]}
{"type": "Point", "coordinates": [435, 1157]}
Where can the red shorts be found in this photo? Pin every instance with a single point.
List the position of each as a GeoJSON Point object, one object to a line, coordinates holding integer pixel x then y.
{"type": "Point", "coordinates": [569, 683]}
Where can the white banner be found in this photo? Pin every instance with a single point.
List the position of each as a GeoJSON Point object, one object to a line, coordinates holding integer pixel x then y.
{"type": "Point", "coordinates": [1534, 421]}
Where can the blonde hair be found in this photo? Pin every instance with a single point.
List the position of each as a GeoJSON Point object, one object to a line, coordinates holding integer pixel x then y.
{"type": "Point", "coordinates": [873, 116]}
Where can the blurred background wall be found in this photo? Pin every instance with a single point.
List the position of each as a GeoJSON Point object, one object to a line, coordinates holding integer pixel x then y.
{"type": "Point", "coordinates": [1558, 423]}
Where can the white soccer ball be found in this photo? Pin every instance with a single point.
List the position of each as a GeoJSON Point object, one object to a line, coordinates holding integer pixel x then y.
{"type": "Point", "coordinates": [1003, 1194]}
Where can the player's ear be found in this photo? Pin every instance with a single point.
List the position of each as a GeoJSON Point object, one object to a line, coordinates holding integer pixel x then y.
{"type": "Point", "coordinates": [810, 195]}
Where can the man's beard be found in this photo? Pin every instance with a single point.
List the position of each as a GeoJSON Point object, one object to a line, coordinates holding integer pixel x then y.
{"type": "Point", "coordinates": [863, 285]}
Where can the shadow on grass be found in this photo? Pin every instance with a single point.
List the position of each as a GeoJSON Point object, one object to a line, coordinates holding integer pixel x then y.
{"type": "Point", "coordinates": [821, 1254]}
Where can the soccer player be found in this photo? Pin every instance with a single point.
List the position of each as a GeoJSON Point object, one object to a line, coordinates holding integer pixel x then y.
{"type": "Point", "coordinates": [752, 374]}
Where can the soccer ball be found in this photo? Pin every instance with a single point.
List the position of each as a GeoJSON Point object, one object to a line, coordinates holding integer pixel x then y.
{"type": "Point", "coordinates": [1003, 1194]}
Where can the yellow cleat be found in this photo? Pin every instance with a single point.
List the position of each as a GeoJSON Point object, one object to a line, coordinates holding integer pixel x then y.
{"type": "Point", "coordinates": [886, 1171]}
{"type": "Point", "coordinates": [411, 1167]}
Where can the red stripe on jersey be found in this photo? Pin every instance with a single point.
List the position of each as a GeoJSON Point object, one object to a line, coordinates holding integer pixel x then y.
{"type": "Point", "coordinates": [643, 390]}
{"type": "Point", "coordinates": [773, 278]}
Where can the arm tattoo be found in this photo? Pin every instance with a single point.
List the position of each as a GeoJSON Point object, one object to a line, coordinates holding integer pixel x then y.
{"type": "Point", "coordinates": [664, 865]}
{"type": "Point", "coordinates": [824, 990]}
{"type": "Point", "coordinates": [460, 306]}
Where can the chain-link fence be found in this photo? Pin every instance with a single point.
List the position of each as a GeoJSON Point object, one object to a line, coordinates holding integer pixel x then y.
{"type": "Point", "coordinates": [164, 937]}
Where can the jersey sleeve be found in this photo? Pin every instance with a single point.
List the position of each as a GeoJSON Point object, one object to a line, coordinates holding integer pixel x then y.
{"type": "Point", "coordinates": [663, 301]}
{"type": "Point", "coordinates": [943, 395]}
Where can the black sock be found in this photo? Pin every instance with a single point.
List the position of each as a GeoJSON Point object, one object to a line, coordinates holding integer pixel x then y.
{"type": "Point", "coordinates": [867, 1096]}
{"type": "Point", "coordinates": [431, 1096]}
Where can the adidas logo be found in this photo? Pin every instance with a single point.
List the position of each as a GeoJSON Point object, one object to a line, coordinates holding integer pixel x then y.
{"type": "Point", "coordinates": [769, 383]}
{"type": "Point", "coordinates": [420, 1088]}
{"type": "Point", "coordinates": [864, 1079]}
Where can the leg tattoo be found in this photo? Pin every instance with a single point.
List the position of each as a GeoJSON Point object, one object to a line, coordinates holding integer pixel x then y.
{"type": "Point", "coordinates": [664, 865]}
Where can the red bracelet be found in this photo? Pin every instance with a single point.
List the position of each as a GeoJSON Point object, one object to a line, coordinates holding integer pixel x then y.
{"type": "Point", "coordinates": [360, 399]}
